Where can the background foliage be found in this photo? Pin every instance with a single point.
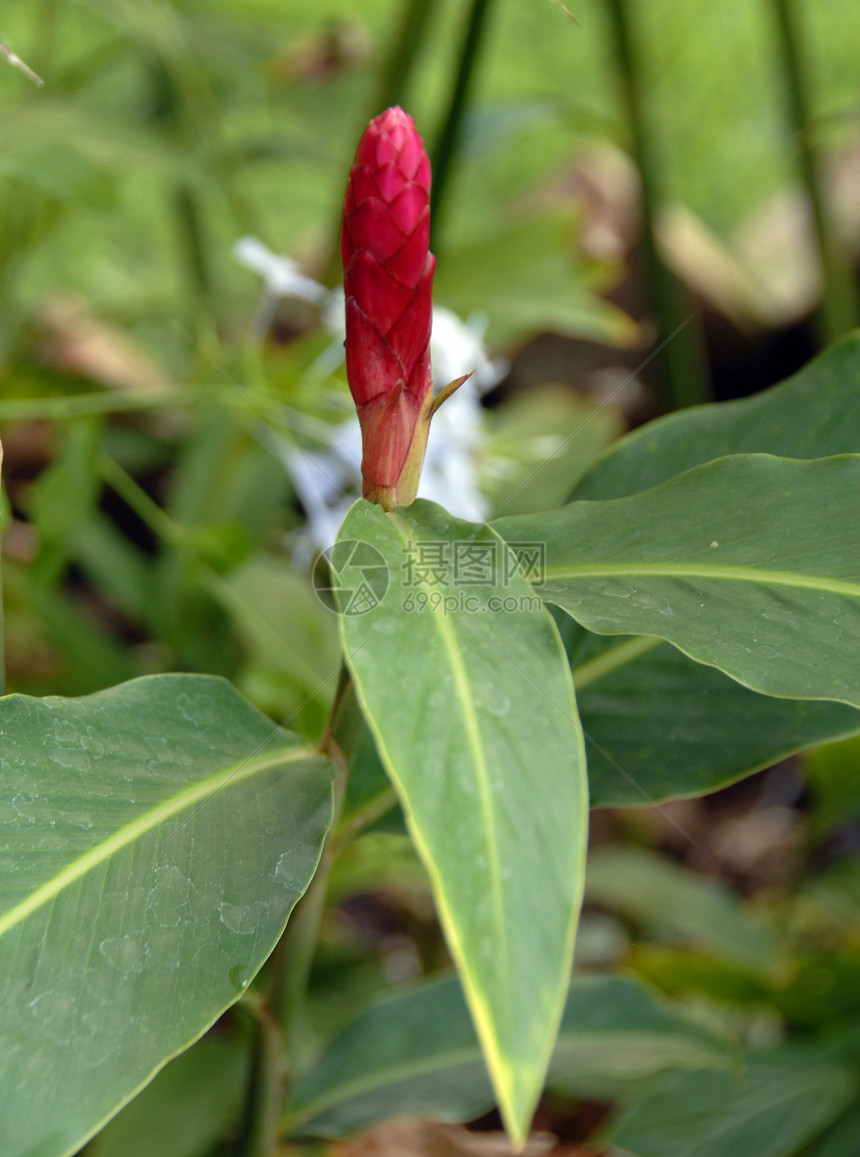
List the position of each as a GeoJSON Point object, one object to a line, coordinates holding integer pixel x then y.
{"type": "Point", "coordinates": [148, 406]}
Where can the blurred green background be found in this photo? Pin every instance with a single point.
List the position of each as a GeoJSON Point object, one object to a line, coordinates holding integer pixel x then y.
{"type": "Point", "coordinates": [145, 400]}
{"type": "Point", "coordinates": [165, 130]}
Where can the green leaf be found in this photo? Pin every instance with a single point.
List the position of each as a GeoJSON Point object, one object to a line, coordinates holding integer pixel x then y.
{"type": "Point", "coordinates": [474, 719]}
{"type": "Point", "coordinates": [655, 722]}
{"type": "Point", "coordinates": [834, 784]}
{"type": "Point", "coordinates": [115, 565]}
{"type": "Point", "coordinates": [661, 896]}
{"type": "Point", "coordinates": [93, 657]}
{"type": "Point", "coordinates": [154, 839]}
{"type": "Point", "coordinates": [749, 564]}
{"type": "Point", "coordinates": [190, 1105]}
{"type": "Point", "coordinates": [65, 493]}
{"type": "Point", "coordinates": [783, 1099]}
{"type": "Point", "coordinates": [814, 414]}
{"type": "Point", "coordinates": [839, 1139]}
{"type": "Point", "coordinates": [416, 1053]}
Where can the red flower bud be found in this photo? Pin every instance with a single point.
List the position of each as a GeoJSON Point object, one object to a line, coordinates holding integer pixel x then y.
{"type": "Point", "coordinates": [388, 281]}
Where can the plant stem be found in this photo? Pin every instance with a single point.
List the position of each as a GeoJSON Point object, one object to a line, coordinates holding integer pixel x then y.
{"type": "Point", "coordinates": [450, 137]}
{"type": "Point", "coordinates": [298, 945]}
{"type": "Point", "coordinates": [373, 810]}
{"type": "Point", "coordinates": [274, 1047]}
{"type": "Point", "coordinates": [60, 407]}
{"type": "Point", "coordinates": [264, 1106]}
{"type": "Point", "coordinates": [105, 402]}
{"type": "Point", "coordinates": [2, 620]}
{"type": "Point", "coordinates": [396, 71]}
{"type": "Point", "coordinates": [259, 629]}
{"type": "Point", "coordinates": [189, 227]}
{"type": "Point", "coordinates": [839, 306]}
{"type": "Point", "coordinates": [146, 508]}
{"type": "Point", "coordinates": [20, 65]}
{"type": "Point", "coordinates": [45, 36]}
{"type": "Point", "coordinates": [682, 361]}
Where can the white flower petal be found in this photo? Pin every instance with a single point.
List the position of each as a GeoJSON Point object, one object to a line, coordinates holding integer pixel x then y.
{"type": "Point", "coordinates": [282, 275]}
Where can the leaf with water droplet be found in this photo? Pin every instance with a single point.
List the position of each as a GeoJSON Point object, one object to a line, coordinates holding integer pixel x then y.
{"type": "Point", "coordinates": [138, 873]}
{"type": "Point", "coordinates": [473, 714]}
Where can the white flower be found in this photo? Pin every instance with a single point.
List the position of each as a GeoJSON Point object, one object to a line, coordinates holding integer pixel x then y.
{"type": "Point", "coordinates": [457, 347]}
{"type": "Point", "coordinates": [282, 278]}
{"type": "Point", "coordinates": [325, 491]}
{"type": "Point", "coordinates": [282, 275]}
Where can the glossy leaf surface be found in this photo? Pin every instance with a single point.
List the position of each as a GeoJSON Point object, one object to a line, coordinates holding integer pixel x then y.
{"type": "Point", "coordinates": [473, 713]}
{"type": "Point", "coordinates": [659, 725]}
{"type": "Point", "coordinates": [749, 563]}
{"type": "Point", "coordinates": [154, 839]}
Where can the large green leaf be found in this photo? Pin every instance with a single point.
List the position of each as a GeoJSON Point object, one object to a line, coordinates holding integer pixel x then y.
{"type": "Point", "coordinates": [192, 1103]}
{"type": "Point", "coordinates": [658, 725]}
{"type": "Point", "coordinates": [416, 1052]}
{"type": "Point", "coordinates": [154, 839]}
{"type": "Point", "coordinates": [475, 721]}
{"type": "Point", "coordinates": [814, 414]}
{"type": "Point", "coordinates": [783, 1099]}
{"type": "Point", "coordinates": [655, 721]}
{"type": "Point", "coordinates": [749, 563]}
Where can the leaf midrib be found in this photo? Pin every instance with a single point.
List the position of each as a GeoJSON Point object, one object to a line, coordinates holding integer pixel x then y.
{"type": "Point", "coordinates": [393, 1073]}
{"type": "Point", "coordinates": [124, 836]}
{"type": "Point", "coordinates": [612, 658]}
{"type": "Point", "coordinates": [473, 734]}
{"type": "Point", "coordinates": [729, 573]}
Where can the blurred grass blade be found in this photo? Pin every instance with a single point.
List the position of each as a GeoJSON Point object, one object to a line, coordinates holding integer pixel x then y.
{"type": "Point", "coordinates": [447, 146]}
{"type": "Point", "coordinates": [679, 349]}
{"type": "Point", "coordinates": [2, 621]}
{"type": "Point", "coordinates": [396, 71]}
{"type": "Point", "coordinates": [15, 60]}
{"type": "Point", "coordinates": [840, 308]}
